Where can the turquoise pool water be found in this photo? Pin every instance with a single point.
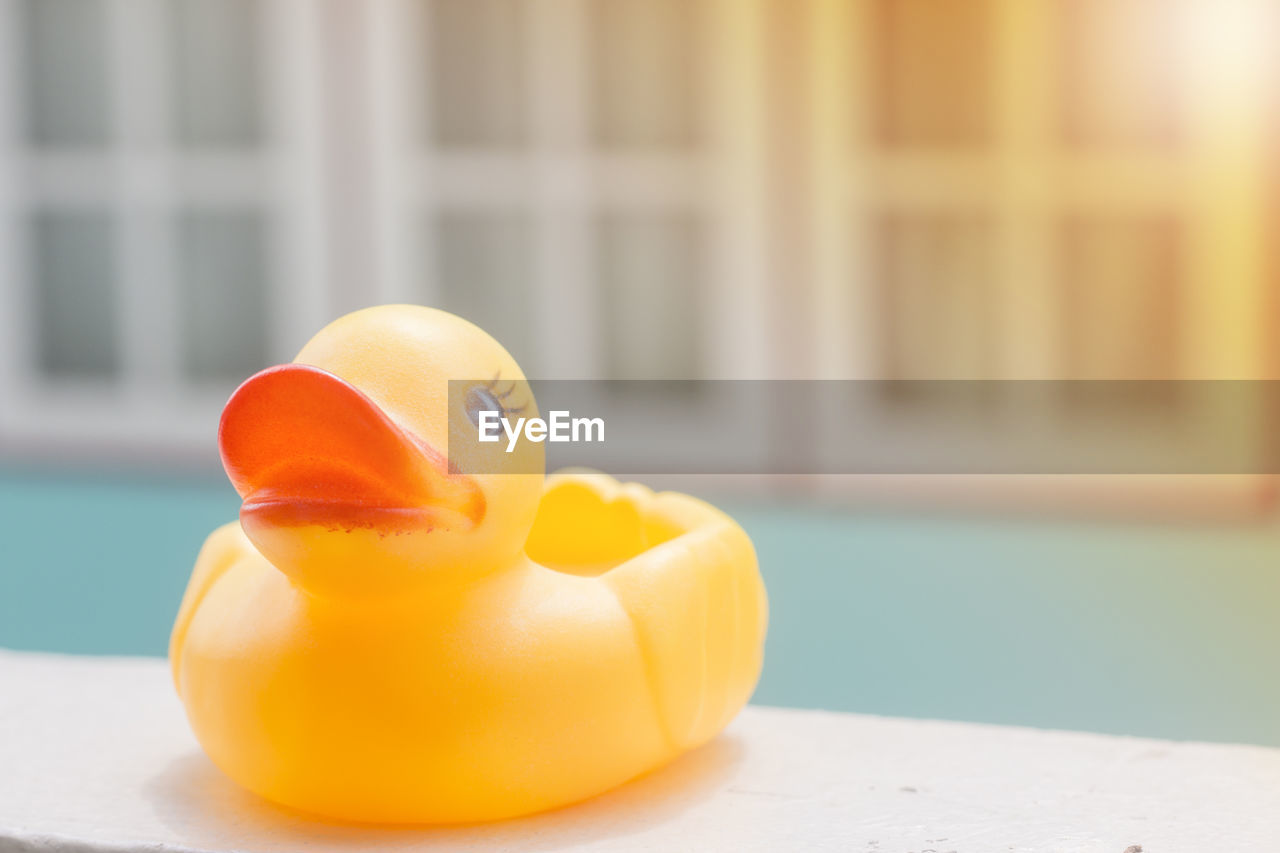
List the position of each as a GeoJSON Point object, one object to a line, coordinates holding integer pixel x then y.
{"type": "Point", "coordinates": [1141, 629]}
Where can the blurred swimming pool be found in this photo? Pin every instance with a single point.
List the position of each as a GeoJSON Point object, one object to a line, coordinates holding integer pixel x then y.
{"type": "Point", "coordinates": [1126, 628]}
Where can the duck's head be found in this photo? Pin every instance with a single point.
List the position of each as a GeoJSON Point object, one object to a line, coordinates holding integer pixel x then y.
{"type": "Point", "coordinates": [342, 457]}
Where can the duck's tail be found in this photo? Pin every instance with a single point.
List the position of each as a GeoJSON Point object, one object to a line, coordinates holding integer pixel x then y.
{"type": "Point", "coordinates": [700, 613]}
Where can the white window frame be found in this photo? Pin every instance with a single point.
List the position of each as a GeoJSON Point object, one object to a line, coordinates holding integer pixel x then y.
{"type": "Point", "coordinates": [142, 181]}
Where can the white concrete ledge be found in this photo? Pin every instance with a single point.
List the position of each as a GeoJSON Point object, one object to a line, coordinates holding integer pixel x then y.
{"type": "Point", "coordinates": [95, 755]}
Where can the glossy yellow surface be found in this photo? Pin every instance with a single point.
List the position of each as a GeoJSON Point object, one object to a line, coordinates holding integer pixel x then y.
{"type": "Point", "coordinates": [517, 644]}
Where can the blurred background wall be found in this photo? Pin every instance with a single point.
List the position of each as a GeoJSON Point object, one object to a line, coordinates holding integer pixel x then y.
{"type": "Point", "coordinates": [674, 188]}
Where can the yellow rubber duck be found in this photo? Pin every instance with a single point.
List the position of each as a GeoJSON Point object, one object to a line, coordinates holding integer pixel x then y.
{"type": "Point", "coordinates": [386, 638]}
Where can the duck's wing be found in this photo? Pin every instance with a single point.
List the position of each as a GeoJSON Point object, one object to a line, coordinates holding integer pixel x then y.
{"type": "Point", "coordinates": [700, 613]}
{"type": "Point", "coordinates": [224, 547]}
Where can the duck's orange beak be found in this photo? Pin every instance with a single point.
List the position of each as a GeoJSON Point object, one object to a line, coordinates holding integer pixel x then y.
{"type": "Point", "coordinates": [304, 447]}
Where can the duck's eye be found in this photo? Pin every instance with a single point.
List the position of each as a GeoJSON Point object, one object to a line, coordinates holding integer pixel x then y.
{"type": "Point", "coordinates": [481, 399]}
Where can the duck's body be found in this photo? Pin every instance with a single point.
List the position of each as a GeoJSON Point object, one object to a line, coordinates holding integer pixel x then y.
{"type": "Point", "coordinates": [628, 629]}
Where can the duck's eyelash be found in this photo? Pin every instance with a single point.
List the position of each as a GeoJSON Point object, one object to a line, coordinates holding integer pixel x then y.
{"type": "Point", "coordinates": [492, 385]}
{"type": "Point", "coordinates": [512, 410]}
